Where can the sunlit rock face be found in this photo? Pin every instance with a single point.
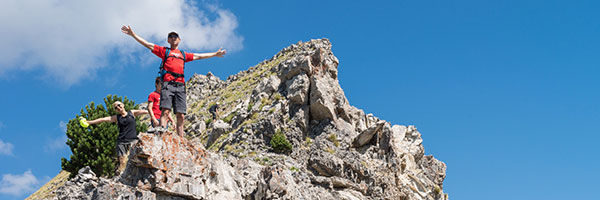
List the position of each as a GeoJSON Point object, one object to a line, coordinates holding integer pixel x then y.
{"type": "Point", "coordinates": [337, 150]}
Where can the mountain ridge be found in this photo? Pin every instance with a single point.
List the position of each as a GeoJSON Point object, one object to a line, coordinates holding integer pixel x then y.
{"type": "Point", "coordinates": [338, 151]}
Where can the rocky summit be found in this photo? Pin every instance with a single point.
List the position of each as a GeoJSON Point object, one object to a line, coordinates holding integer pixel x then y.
{"type": "Point", "coordinates": [282, 129]}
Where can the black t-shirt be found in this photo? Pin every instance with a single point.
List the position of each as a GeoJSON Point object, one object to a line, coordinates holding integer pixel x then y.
{"type": "Point", "coordinates": [126, 126]}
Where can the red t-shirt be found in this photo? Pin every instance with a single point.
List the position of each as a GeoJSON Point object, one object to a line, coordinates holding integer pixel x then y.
{"type": "Point", "coordinates": [154, 97]}
{"type": "Point", "coordinates": [173, 64]}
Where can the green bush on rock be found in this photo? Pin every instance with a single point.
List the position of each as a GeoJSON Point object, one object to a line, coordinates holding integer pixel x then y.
{"type": "Point", "coordinates": [280, 143]}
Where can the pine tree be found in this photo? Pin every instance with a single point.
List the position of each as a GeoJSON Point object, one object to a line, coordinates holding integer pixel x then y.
{"type": "Point", "coordinates": [95, 146]}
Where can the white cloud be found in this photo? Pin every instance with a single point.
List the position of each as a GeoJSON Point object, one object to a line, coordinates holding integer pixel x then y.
{"type": "Point", "coordinates": [71, 39]}
{"type": "Point", "coordinates": [58, 143]}
{"type": "Point", "coordinates": [6, 148]}
{"type": "Point", "coordinates": [18, 184]}
{"type": "Point", "coordinates": [63, 126]}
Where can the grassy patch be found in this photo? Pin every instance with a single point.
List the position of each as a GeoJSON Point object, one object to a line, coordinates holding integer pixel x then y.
{"type": "Point", "coordinates": [277, 96]}
{"type": "Point", "coordinates": [229, 117]}
{"type": "Point", "coordinates": [264, 102]}
{"type": "Point", "coordinates": [204, 137]}
{"type": "Point", "coordinates": [254, 116]}
{"type": "Point", "coordinates": [253, 119]}
{"type": "Point", "coordinates": [250, 105]}
{"type": "Point", "coordinates": [265, 161]}
{"type": "Point", "coordinates": [294, 169]}
{"type": "Point", "coordinates": [330, 150]}
{"type": "Point", "coordinates": [333, 138]}
{"type": "Point", "coordinates": [363, 163]}
{"type": "Point", "coordinates": [45, 192]}
{"type": "Point", "coordinates": [218, 143]}
{"type": "Point", "coordinates": [229, 148]}
{"type": "Point", "coordinates": [308, 141]}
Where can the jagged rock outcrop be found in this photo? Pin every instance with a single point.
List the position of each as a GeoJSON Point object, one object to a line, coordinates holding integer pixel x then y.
{"type": "Point", "coordinates": [338, 151]}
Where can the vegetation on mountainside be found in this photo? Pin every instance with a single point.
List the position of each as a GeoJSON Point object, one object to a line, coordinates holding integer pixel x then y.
{"type": "Point", "coordinates": [95, 146]}
{"type": "Point", "coordinates": [45, 192]}
{"type": "Point", "coordinates": [333, 138]}
{"type": "Point", "coordinates": [237, 91]}
{"type": "Point", "coordinates": [280, 143]}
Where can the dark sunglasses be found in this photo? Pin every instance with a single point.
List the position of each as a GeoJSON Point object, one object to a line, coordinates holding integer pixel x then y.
{"type": "Point", "coordinates": [173, 36]}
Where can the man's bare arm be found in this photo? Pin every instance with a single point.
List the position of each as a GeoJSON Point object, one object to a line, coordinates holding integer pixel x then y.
{"type": "Point", "coordinates": [151, 113]}
{"type": "Point", "coordinates": [127, 30]}
{"type": "Point", "coordinates": [219, 53]}
{"type": "Point", "coordinates": [139, 112]}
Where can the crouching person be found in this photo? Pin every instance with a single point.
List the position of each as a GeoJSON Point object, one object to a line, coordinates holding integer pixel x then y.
{"type": "Point", "coordinates": [127, 132]}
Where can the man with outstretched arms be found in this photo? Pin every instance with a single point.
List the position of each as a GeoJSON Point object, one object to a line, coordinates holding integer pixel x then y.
{"type": "Point", "coordinates": [172, 70]}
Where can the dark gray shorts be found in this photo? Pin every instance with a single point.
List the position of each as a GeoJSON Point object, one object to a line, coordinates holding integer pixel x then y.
{"type": "Point", "coordinates": [124, 147]}
{"type": "Point", "coordinates": [173, 96]}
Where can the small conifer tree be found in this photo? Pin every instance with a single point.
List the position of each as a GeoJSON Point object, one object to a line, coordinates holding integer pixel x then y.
{"type": "Point", "coordinates": [95, 146]}
{"type": "Point", "coordinates": [280, 143]}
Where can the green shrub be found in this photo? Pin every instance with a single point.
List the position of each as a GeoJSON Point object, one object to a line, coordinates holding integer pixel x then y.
{"type": "Point", "coordinates": [95, 146]}
{"type": "Point", "coordinates": [280, 143]}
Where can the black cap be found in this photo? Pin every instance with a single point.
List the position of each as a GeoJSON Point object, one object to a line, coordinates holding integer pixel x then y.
{"type": "Point", "coordinates": [172, 34]}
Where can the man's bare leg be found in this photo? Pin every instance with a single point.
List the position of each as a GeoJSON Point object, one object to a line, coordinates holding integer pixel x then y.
{"type": "Point", "coordinates": [164, 117]}
{"type": "Point", "coordinates": [122, 164]}
{"type": "Point", "coordinates": [180, 119]}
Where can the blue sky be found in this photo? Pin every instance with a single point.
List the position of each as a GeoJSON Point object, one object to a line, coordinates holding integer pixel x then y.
{"type": "Point", "coordinates": [504, 92]}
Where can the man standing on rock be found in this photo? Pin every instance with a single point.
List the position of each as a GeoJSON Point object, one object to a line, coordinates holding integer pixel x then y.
{"type": "Point", "coordinates": [173, 82]}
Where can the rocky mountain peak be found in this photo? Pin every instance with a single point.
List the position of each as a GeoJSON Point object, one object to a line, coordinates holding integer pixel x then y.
{"type": "Point", "coordinates": [234, 147]}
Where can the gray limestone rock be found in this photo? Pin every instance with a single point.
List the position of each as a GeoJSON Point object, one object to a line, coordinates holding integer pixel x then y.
{"type": "Point", "coordinates": [338, 151]}
{"type": "Point", "coordinates": [321, 100]}
{"type": "Point", "coordinates": [218, 128]}
{"type": "Point", "coordinates": [366, 136]}
{"type": "Point", "coordinates": [267, 85]}
{"type": "Point", "coordinates": [295, 66]}
{"type": "Point", "coordinates": [276, 183]}
{"type": "Point", "coordinates": [173, 166]}
{"type": "Point", "coordinates": [297, 89]}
